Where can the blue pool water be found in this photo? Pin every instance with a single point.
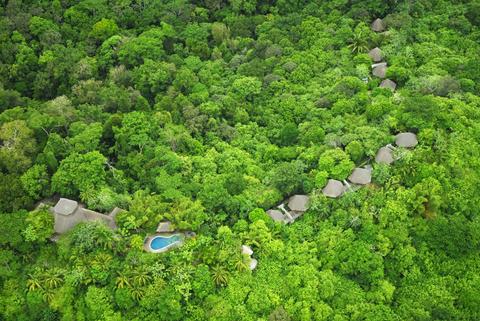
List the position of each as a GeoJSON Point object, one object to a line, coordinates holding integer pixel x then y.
{"type": "Point", "coordinates": [160, 242]}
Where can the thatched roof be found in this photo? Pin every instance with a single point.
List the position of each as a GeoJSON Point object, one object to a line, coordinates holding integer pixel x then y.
{"type": "Point", "coordinates": [276, 215]}
{"type": "Point", "coordinates": [65, 206]}
{"type": "Point", "coordinates": [378, 25]}
{"type": "Point", "coordinates": [115, 211]}
{"type": "Point", "coordinates": [406, 140]}
{"type": "Point", "coordinates": [360, 176]}
{"type": "Point", "coordinates": [384, 156]}
{"type": "Point", "coordinates": [69, 213]}
{"type": "Point", "coordinates": [333, 188]}
{"type": "Point", "coordinates": [376, 54]}
{"type": "Point", "coordinates": [95, 216]}
{"type": "Point", "coordinates": [298, 203]}
{"type": "Point", "coordinates": [64, 222]}
{"type": "Point", "coordinates": [164, 227]}
{"type": "Point", "coordinates": [253, 264]}
{"type": "Point", "coordinates": [380, 71]}
{"type": "Point", "coordinates": [387, 83]}
{"type": "Point", "coordinates": [247, 250]}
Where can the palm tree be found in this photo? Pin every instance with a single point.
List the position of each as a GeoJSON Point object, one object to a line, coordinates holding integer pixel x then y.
{"type": "Point", "coordinates": [137, 293]}
{"type": "Point", "coordinates": [102, 259]}
{"type": "Point", "coordinates": [122, 280]}
{"type": "Point", "coordinates": [48, 295]}
{"type": "Point", "coordinates": [53, 278]}
{"type": "Point", "coordinates": [140, 277]}
{"type": "Point", "coordinates": [33, 282]}
{"type": "Point", "coordinates": [242, 263]}
{"type": "Point", "coordinates": [85, 276]}
{"type": "Point", "coordinates": [104, 238]}
{"type": "Point", "coordinates": [358, 43]}
{"type": "Point", "coordinates": [355, 221]}
{"type": "Point", "coordinates": [220, 275]}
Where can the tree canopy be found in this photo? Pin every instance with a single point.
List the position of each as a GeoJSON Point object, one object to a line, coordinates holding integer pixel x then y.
{"type": "Point", "coordinates": [209, 113]}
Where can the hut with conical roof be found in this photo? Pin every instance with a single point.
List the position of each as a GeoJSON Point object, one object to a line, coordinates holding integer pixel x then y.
{"type": "Point", "coordinates": [376, 54]}
{"type": "Point", "coordinates": [387, 83]}
{"type": "Point", "coordinates": [406, 140]}
{"type": "Point", "coordinates": [333, 188]}
{"type": "Point", "coordinates": [298, 203]}
{"type": "Point", "coordinates": [380, 70]}
{"type": "Point", "coordinates": [360, 176]}
{"type": "Point", "coordinates": [384, 156]}
{"type": "Point", "coordinates": [68, 213]}
{"type": "Point", "coordinates": [276, 215]}
{"type": "Point", "coordinates": [378, 25]}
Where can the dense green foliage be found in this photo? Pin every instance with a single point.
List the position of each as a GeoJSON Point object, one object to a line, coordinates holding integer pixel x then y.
{"type": "Point", "coordinates": [208, 112]}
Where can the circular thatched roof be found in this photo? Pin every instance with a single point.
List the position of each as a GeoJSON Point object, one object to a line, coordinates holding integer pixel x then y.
{"type": "Point", "coordinates": [380, 71]}
{"type": "Point", "coordinates": [276, 215]}
{"type": "Point", "coordinates": [406, 140]}
{"type": "Point", "coordinates": [376, 54]}
{"type": "Point", "coordinates": [298, 203]}
{"type": "Point", "coordinates": [387, 83]}
{"type": "Point", "coordinates": [384, 156]}
{"type": "Point", "coordinates": [360, 176]}
{"type": "Point", "coordinates": [333, 189]}
{"type": "Point", "coordinates": [378, 25]}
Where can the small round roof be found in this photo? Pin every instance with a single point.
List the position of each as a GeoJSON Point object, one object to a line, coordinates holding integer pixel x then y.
{"type": "Point", "coordinates": [387, 83]}
{"type": "Point", "coordinates": [380, 71]}
{"type": "Point", "coordinates": [406, 140]}
{"type": "Point", "coordinates": [384, 156]}
{"type": "Point", "coordinates": [298, 203]}
{"type": "Point", "coordinates": [376, 54]}
{"type": "Point", "coordinates": [333, 188]}
{"type": "Point", "coordinates": [360, 176]}
{"type": "Point", "coordinates": [276, 215]}
{"type": "Point", "coordinates": [378, 25]}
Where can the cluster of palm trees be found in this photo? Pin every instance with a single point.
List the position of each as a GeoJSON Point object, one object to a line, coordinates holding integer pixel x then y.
{"type": "Point", "coordinates": [134, 280]}
{"type": "Point", "coordinates": [46, 281]}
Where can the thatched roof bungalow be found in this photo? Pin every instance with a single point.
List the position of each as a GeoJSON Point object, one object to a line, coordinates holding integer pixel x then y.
{"type": "Point", "coordinates": [384, 156]}
{"type": "Point", "coordinates": [376, 54]}
{"type": "Point", "coordinates": [380, 70]}
{"type": "Point", "coordinates": [378, 25]}
{"type": "Point", "coordinates": [68, 213]}
{"type": "Point", "coordinates": [333, 188]}
{"type": "Point", "coordinates": [361, 176]}
{"type": "Point", "coordinates": [276, 215]}
{"type": "Point", "coordinates": [298, 203]}
{"type": "Point", "coordinates": [387, 83]}
{"type": "Point", "coordinates": [406, 140]}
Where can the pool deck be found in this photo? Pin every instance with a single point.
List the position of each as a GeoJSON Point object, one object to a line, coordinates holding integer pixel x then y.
{"type": "Point", "coordinates": [148, 240]}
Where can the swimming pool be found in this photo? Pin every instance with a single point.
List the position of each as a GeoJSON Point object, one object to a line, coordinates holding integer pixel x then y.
{"type": "Point", "coordinates": [162, 243]}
